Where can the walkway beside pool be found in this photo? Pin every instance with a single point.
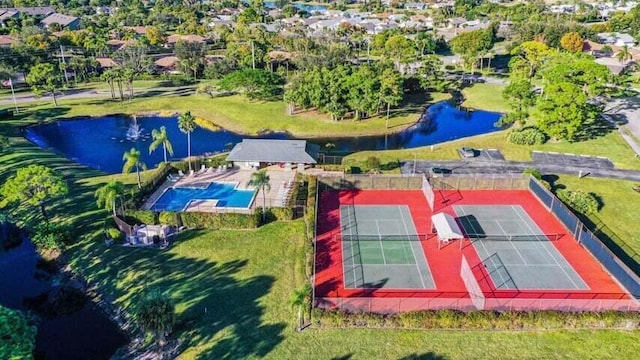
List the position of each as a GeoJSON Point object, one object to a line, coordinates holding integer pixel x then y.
{"type": "Point", "coordinates": [280, 180]}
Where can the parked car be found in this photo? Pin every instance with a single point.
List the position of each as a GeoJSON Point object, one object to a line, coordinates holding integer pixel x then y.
{"type": "Point", "coordinates": [433, 171]}
{"type": "Point", "coordinates": [467, 152]}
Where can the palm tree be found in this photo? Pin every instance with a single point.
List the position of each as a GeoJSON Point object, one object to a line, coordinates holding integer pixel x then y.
{"type": "Point", "coordinates": [160, 137]}
{"type": "Point", "coordinates": [299, 300]}
{"type": "Point", "coordinates": [261, 180]}
{"type": "Point", "coordinates": [156, 315]}
{"type": "Point", "coordinates": [624, 54]}
{"type": "Point", "coordinates": [131, 160]}
{"type": "Point", "coordinates": [186, 124]}
{"type": "Point", "coordinates": [107, 195]}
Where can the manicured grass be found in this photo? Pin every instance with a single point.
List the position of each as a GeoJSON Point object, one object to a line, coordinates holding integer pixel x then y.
{"type": "Point", "coordinates": [610, 145]}
{"type": "Point", "coordinates": [619, 210]}
{"type": "Point", "coordinates": [235, 113]}
{"type": "Point", "coordinates": [485, 97]}
{"type": "Point", "coordinates": [232, 289]}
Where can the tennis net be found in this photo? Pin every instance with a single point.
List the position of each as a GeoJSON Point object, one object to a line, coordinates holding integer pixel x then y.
{"type": "Point", "coordinates": [419, 237]}
{"type": "Point", "coordinates": [503, 237]}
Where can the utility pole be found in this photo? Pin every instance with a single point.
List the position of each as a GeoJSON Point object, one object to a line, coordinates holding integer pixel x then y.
{"type": "Point", "coordinates": [64, 65]}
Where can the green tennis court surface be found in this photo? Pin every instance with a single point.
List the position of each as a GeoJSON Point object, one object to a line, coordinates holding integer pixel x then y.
{"type": "Point", "coordinates": [380, 248]}
{"type": "Point", "coordinates": [515, 251]}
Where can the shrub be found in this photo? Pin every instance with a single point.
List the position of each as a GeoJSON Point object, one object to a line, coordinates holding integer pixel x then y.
{"type": "Point", "coordinates": [538, 176]}
{"type": "Point", "coordinates": [51, 236]}
{"type": "Point", "coordinates": [527, 136]}
{"type": "Point", "coordinates": [216, 221]}
{"type": "Point", "coordinates": [168, 218]}
{"type": "Point", "coordinates": [113, 233]}
{"type": "Point", "coordinates": [580, 201]}
{"type": "Point", "coordinates": [141, 217]}
{"type": "Point", "coordinates": [484, 319]}
{"type": "Point", "coordinates": [281, 213]}
{"type": "Point", "coordinates": [373, 163]}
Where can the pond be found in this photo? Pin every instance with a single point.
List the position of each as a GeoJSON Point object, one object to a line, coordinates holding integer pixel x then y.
{"type": "Point", "coordinates": [100, 142]}
{"type": "Point", "coordinates": [300, 6]}
{"type": "Point", "coordinates": [86, 333]}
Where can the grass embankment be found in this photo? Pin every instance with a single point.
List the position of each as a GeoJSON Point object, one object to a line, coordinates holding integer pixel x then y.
{"type": "Point", "coordinates": [619, 210]}
{"type": "Point", "coordinates": [232, 289]}
{"type": "Point", "coordinates": [485, 97]}
{"type": "Point", "coordinates": [610, 145]}
{"type": "Point", "coordinates": [235, 113]}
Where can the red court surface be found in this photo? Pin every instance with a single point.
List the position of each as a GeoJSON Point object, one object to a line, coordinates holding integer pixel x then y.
{"type": "Point", "coordinates": [445, 263]}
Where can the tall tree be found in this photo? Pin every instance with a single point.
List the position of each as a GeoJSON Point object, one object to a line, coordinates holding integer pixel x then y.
{"type": "Point", "coordinates": [191, 56]}
{"type": "Point", "coordinates": [399, 49]}
{"type": "Point", "coordinates": [187, 124]}
{"type": "Point", "coordinates": [108, 195]}
{"type": "Point", "coordinates": [624, 54]}
{"type": "Point", "coordinates": [390, 89]}
{"type": "Point", "coordinates": [254, 84]}
{"type": "Point", "coordinates": [132, 161]}
{"type": "Point", "coordinates": [530, 54]}
{"type": "Point", "coordinates": [155, 314]}
{"type": "Point", "coordinates": [109, 77]}
{"type": "Point", "coordinates": [17, 334]}
{"type": "Point", "coordinates": [471, 45]}
{"type": "Point", "coordinates": [160, 137]}
{"type": "Point", "coordinates": [563, 110]}
{"type": "Point", "coordinates": [261, 180]}
{"type": "Point", "coordinates": [43, 78]}
{"type": "Point", "coordinates": [572, 42]}
{"type": "Point", "coordinates": [34, 185]}
{"type": "Point", "coordinates": [521, 97]}
{"type": "Point", "coordinates": [364, 90]}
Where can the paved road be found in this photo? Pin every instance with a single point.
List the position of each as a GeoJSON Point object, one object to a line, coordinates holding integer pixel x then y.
{"type": "Point", "coordinates": [481, 166]}
{"type": "Point", "coordinates": [92, 94]}
{"type": "Point", "coordinates": [625, 113]}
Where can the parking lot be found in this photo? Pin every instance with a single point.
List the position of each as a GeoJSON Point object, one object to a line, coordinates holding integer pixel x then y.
{"type": "Point", "coordinates": [586, 161]}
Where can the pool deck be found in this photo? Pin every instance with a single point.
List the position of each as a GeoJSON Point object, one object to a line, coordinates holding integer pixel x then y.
{"type": "Point", "coordinates": [279, 179]}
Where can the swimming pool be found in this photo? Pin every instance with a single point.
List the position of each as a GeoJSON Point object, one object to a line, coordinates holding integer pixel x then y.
{"type": "Point", "coordinates": [218, 193]}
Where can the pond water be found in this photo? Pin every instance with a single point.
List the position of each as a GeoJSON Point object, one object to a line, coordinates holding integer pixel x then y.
{"type": "Point", "coordinates": [100, 142]}
{"type": "Point", "coordinates": [84, 334]}
{"type": "Point", "coordinates": [300, 6]}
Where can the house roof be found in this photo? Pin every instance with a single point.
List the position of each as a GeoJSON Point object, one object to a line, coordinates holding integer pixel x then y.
{"type": "Point", "coordinates": [106, 62]}
{"type": "Point", "coordinates": [266, 150]}
{"type": "Point", "coordinates": [140, 30]}
{"type": "Point", "coordinates": [167, 61]}
{"type": "Point", "coordinates": [33, 11]}
{"type": "Point", "coordinates": [56, 18]}
{"type": "Point", "coordinates": [7, 14]}
{"type": "Point", "coordinates": [7, 40]}
{"type": "Point", "coordinates": [172, 39]}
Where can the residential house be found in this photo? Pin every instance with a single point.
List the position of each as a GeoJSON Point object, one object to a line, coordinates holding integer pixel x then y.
{"type": "Point", "coordinates": [38, 11]}
{"type": "Point", "coordinates": [65, 21]}
{"type": "Point", "coordinates": [105, 63]}
{"type": "Point", "coordinates": [167, 64]}
{"type": "Point", "coordinates": [415, 6]}
{"type": "Point", "coordinates": [614, 65]}
{"type": "Point", "coordinates": [6, 15]}
{"type": "Point", "coordinates": [173, 39]}
{"type": "Point", "coordinates": [7, 41]}
{"type": "Point", "coordinates": [617, 39]}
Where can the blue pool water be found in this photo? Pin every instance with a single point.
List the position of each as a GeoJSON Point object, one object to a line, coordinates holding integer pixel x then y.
{"type": "Point", "coordinates": [100, 142]}
{"type": "Point", "coordinates": [175, 199]}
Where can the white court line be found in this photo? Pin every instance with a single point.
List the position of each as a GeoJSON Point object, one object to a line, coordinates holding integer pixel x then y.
{"type": "Point", "coordinates": [384, 260]}
{"type": "Point", "coordinates": [353, 261]}
{"type": "Point", "coordinates": [553, 257]}
{"type": "Point", "coordinates": [511, 243]}
{"type": "Point", "coordinates": [486, 251]}
{"type": "Point", "coordinates": [413, 253]}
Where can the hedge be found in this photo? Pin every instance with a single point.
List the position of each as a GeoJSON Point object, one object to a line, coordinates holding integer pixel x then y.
{"type": "Point", "coordinates": [215, 221]}
{"type": "Point", "coordinates": [485, 320]}
{"type": "Point", "coordinates": [141, 217]}
{"type": "Point", "coordinates": [527, 136]}
{"type": "Point", "coordinates": [580, 201]}
{"type": "Point", "coordinates": [281, 213]}
{"type": "Point", "coordinates": [169, 218]}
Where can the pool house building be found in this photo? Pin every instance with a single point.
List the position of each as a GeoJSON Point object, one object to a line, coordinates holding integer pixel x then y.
{"type": "Point", "coordinates": [259, 153]}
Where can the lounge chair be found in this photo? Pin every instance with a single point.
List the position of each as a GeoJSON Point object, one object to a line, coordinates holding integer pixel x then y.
{"type": "Point", "coordinates": [191, 173]}
{"type": "Point", "coordinates": [180, 173]}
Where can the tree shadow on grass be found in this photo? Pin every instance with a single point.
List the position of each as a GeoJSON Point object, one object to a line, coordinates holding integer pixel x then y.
{"type": "Point", "coordinates": [426, 356]}
{"type": "Point", "coordinates": [213, 302]}
{"type": "Point", "coordinates": [593, 129]}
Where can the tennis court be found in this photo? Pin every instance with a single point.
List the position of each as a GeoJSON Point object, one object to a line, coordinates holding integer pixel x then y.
{"type": "Point", "coordinates": [515, 252]}
{"type": "Point", "coordinates": [381, 248]}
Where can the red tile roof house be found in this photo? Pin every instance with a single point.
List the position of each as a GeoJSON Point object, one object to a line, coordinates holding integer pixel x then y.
{"type": "Point", "coordinates": [7, 41]}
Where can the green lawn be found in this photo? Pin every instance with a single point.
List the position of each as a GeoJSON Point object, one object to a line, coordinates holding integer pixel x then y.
{"type": "Point", "coordinates": [235, 113]}
{"type": "Point", "coordinates": [610, 145]}
{"type": "Point", "coordinates": [485, 97]}
{"type": "Point", "coordinates": [232, 289]}
{"type": "Point", "coordinates": [620, 206]}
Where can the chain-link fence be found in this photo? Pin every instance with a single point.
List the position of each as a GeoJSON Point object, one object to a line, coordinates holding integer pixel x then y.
{"type": "Point", "coordinates": [370, 182]}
